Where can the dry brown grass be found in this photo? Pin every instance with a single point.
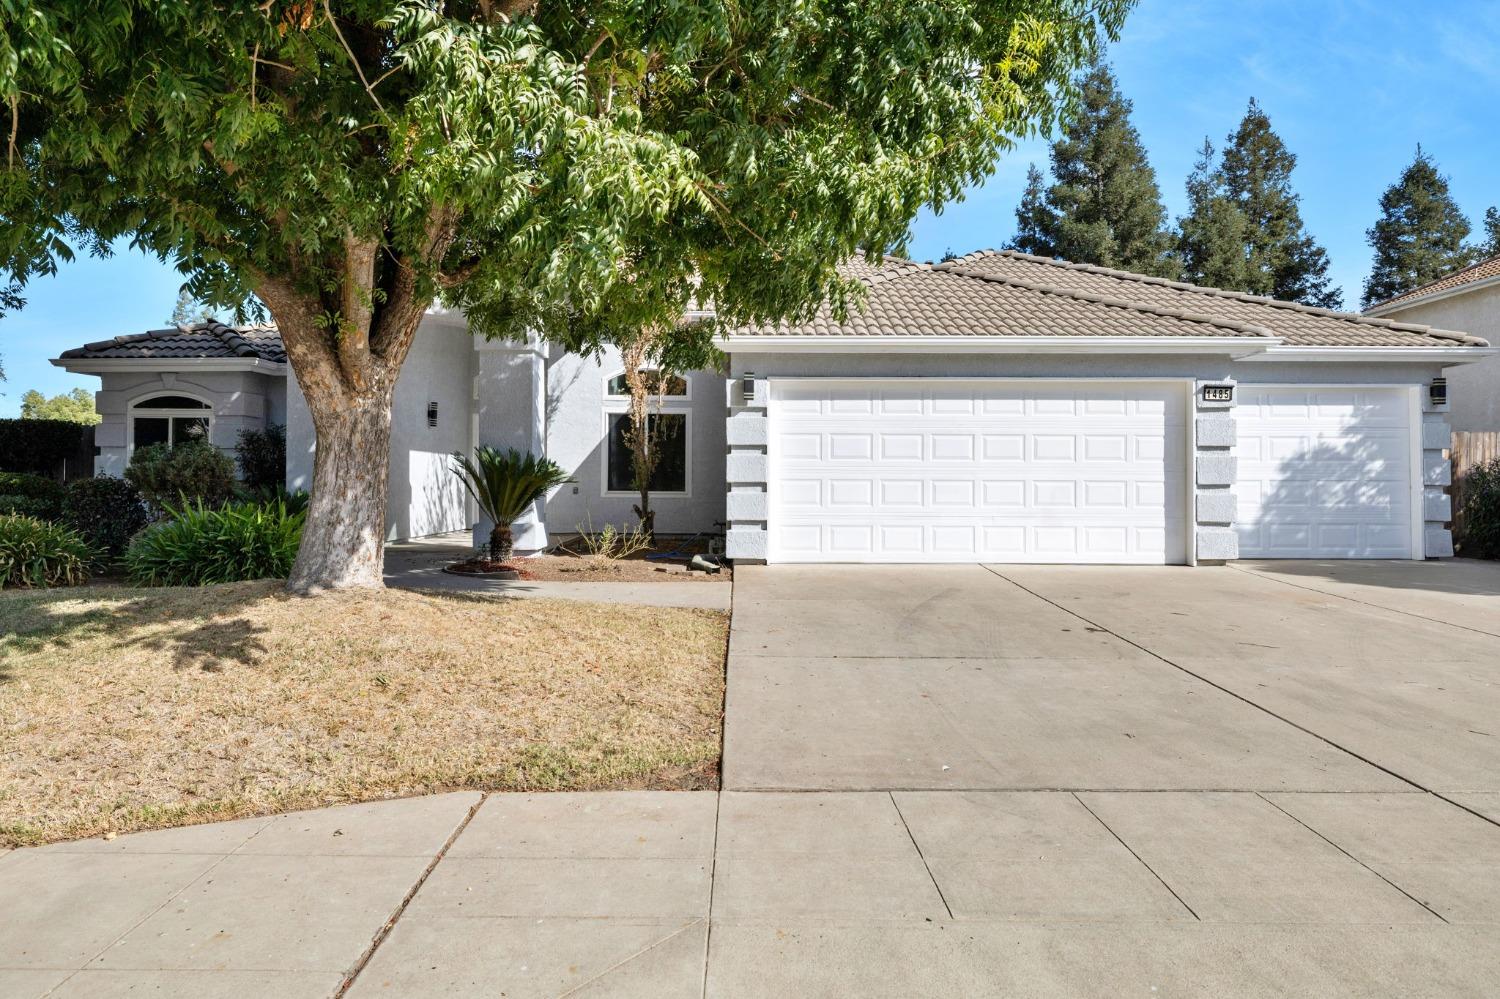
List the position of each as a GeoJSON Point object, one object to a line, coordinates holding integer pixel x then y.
{"type": "Point", "coordinates": [127, 709]}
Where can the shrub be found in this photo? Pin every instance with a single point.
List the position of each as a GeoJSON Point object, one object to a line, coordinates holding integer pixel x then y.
{"type": "Point", "coordinates": [106, 511]}
{"type": "Point", "coordinates": [38, 445]}
{"type": "Point", "coordinates": [262, 458]}
{"type": "Point", "coordinates": [199, 545]}
{"type": "Point", "coordinates": [1481, 511]}
{"type": "Point", "coordinates": [30, 495]}
{"type": "Point", "coordinates": [192, 472]}
{"type": "Point", "coordinates": [36, 553]}
{"type": "Point", "coordinates": [504, 484]}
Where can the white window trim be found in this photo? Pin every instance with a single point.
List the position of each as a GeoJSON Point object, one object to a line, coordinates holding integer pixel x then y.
{"type": "Point", "coordinates": [143, 407]}
{"type": "Point", "coordinates": [614, 406]}
{"type": "Point", "coordinates": [666, 400]}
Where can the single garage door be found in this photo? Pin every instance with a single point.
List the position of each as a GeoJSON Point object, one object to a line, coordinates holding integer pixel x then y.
{"type": "Point", "coordinates": [1324, 472]}
{"type": "Point", "coordinates": [942, 470]}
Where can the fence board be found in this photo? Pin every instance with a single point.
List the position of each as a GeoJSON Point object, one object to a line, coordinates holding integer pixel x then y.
{"type": "Point", "coordinates": [1468, 450]}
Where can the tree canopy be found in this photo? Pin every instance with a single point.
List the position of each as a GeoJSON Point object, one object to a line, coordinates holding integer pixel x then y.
{"type": "Point", "coordinates": [347, 161]}
{"type": "Point", "coordinates": [1103, 206]}
{"type": "Point", "coordinates": [1420, 234]}
{"type": "Point", "coordinates": [76, 406]}
{"type": "Point", "coordinates": [1214, 235]}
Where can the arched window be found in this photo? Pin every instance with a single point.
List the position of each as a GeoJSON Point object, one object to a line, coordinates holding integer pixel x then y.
{"type": "Point", "coordinates": [169, 419]}
{"type": "Point", "coordinates": [669, 385]}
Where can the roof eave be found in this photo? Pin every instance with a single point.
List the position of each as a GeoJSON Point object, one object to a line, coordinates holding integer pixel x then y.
{"type": "Point", "coordinates": [1446, 356]}
{"type": "Point", "coordinates": [104, 365]}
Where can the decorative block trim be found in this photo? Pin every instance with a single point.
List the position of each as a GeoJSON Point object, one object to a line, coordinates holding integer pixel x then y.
{"type": "Point", "coordinates": [1436, 470]}
{"type": "Point", "coordinates": [1218, 543]}
{"type": "Point", "coordinates": [1216, 507]}
{"type": "Point", "coordinates": [745, 466]}
{"type": "Point", "coordinates": [1216, 430]}
{"type": "Point", "coordinates": [1436, 505]}
{"type": "Point", "coordinates": [1436, 434]}
{"type": "Point", "coordinates": [746, 543]}
{"type": "Point", "coordinates": [746, 504]}
{"type": "Point", "coordinates": [1437, 542]}
{"type": "Point", "coordinates": [1215, 469]}
{"type": "Point", "coordinates": [748, 428]}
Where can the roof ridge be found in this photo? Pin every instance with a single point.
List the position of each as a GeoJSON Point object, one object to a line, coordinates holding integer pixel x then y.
{"type": "Point", "coordinates": [1119, 303]}
{"type": "Point", "coordinates": [1239, 296]}
{"type": "Point", "coordinates": [1420, 290]}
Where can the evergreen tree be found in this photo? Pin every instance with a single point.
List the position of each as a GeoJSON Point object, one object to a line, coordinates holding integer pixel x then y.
{"type": "Point", "coordinates": [188, 310]}
{"type": "Point", "coordinates": [1282, 259]}
{"type": "Point", "coordinates": [1419, 236]}
{"type": "Point", "coordinates": [1491, 245]}
{"type": "Point", "coordinates": [1103, 206]}
{"type": "Point", "coordinates": [1034, 220]}
{"type": "Point", "coordinates": [1213, 235]}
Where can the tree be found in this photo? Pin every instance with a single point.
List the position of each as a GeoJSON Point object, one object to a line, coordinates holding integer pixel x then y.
{"type": "Point", "coordinates": [345, 162]}
{"type": "Point", "coordinates": [1282, 259]}
{"type": "Point", "coordinates": [1213, 236]}
{"type": "Point", "coordinates": [1104, 206]}
{"type": "Point", "coordinates": [1491, 245]}
{"type": "Point", "coordinates": [1419, 236]}
{"type": "Point", "coordinates": [76, 406]}
{"type": "Point", "coordinates": [188, 310]}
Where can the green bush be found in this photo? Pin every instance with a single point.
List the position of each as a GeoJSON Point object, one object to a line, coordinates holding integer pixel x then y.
{"type": "Point", "coordinates": [30, 495]}
{"type": "Point", "coordinates": [36, 553]}
{"type": "Point", "coordinates": [262, 458]}
{"type": "Point", "coordinates": [193, 472]}
{"type": "Point", "coordinates": [38, 445]}
{"type": "Point", "coordinates": [199, 545]}
{"type": "Point", "coordinates": [1481, 512]}
{"type": "Point", "coordinates": [106, 511]}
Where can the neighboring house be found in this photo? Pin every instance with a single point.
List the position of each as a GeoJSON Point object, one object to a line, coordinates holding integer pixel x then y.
{"type": "Point", "coordinates": [999, 407]}
{"type": "Point", "coordinates": [1468, 299]}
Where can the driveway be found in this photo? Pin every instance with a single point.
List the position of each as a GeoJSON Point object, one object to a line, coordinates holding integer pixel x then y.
{"type": "Point", "coordinates": [1276, 779]}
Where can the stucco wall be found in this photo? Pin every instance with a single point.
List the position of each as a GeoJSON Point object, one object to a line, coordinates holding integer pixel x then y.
{"type": "Point", "coordinates": [241, 400]}
{"type": "Point", "coordinates": [1473, 389]}
{"type": "Point", "coordinates": [747, 467]}
{"type": "Point", "coordinates": [576, 439]}
{"type": "Point", "coordinates": [424, 496]}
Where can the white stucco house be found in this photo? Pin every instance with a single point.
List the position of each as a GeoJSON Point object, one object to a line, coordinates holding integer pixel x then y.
{"type": "Point", "coordinates": [995, 408]}
{"type": "Point", "coordinates": [1467, 299]}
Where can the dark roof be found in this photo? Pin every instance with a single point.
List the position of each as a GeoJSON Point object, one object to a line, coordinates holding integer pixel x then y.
{"type": "Point", "coordinates": [1485, 270]}
{"type": "Point", "coordinates": [1006, 293]}
{"type": "Point", "coordinates": [206, 339]}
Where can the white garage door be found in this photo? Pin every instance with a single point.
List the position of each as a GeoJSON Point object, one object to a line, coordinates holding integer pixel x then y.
{"type": "Point", "coordinates": [940, 470]}
{"type": "Point", "coordinates": [1324, 472]}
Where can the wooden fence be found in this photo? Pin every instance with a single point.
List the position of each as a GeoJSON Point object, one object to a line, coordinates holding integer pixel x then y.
{"type": "Point", "coordinates": [1470, 449]}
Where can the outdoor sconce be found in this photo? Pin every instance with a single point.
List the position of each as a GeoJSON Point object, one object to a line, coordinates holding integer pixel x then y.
{"type": "Point", "coordinates": [1437, 392]}
{"type": "Point", "coordinates": [747, 387]}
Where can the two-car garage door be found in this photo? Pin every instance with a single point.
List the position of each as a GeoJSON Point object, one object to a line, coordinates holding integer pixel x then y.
{"type": "Point", "coordinates": [947, 470]}
{"type": "Point", "coordinates": [940, 470]}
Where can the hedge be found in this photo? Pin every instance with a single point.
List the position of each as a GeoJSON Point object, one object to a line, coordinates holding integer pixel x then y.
{"type": "Point", "coordinates": [38, 445]}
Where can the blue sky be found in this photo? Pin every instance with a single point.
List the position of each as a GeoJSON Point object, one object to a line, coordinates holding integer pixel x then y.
{"type": "Point", "coordinates": [1351, 85]}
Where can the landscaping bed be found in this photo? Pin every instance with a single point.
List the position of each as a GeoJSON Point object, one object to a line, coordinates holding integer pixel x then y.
{"type": "Point", "coordinates": [124, 709]}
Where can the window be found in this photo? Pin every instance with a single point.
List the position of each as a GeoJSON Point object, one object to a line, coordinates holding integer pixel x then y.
{"type": "Point", "coordinates": [169, 419]}
{"type": "Point", "coordinates": [671, 386]}
{"type": "Point", "coordinates": [671, 471]}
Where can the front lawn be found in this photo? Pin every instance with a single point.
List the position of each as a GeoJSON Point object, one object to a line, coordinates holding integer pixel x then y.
{"type": "Point", "coordinates": [127, 709]}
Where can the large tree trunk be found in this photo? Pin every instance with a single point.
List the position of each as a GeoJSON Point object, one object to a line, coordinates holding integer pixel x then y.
{"type": "Point", "coordinates": [343, 542]}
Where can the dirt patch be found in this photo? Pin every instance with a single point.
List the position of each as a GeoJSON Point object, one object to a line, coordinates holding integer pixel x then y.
{"type": "Point", "coordinates": [564, 567]}
{"type": "Point", "coordinates": [125, 709]}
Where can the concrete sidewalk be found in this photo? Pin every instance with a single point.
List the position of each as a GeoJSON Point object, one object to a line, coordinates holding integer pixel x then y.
{"type": "Point", "coordinates": [661, 894]}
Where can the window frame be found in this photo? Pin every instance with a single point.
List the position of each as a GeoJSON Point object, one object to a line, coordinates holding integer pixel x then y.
{"type": "Point", "coordinates": [142, 407]}
{"type": "Point", "coordinates": [667, 400]}
{"type": "Point", "coordinates": [607, 419]}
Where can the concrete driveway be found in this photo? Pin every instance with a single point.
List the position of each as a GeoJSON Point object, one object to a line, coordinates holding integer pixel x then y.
{"type": "Point", "coordinates": [1277, 779]}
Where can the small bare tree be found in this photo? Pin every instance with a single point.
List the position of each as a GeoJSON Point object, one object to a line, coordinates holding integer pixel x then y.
{"type": "Point", "coordinates": [647, 432]}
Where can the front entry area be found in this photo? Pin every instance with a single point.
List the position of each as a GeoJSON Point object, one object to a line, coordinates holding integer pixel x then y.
{"type": "Point", "coordinates": [993, 470]}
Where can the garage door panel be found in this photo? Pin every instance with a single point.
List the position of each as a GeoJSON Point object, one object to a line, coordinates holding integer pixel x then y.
{"type": "Point", "coordinates": [973, 471]}
{"type": "Point", "coordinates": [1323, 473]}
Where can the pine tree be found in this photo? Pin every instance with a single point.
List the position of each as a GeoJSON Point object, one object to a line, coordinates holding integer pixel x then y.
{"type": "Point", "coordinates": [1212, 238]}
{"type": "Point", "coordinates": [1491, 245]}
{"type": "Point", "coordinates": [1104, 206]}
{"type": "Point", "coordinates": [188, 310]}
{"type": "Point", "coordinates": [1282, 259]}
{"type": "Point", "coordinates": [1419, 236]}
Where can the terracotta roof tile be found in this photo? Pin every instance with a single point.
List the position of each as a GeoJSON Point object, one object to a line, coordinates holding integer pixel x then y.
{"type": "Point", "coordinates": [207, 339]}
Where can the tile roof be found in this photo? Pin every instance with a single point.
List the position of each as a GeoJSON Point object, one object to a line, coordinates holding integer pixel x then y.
{"type": "Point", "coordinates": [206, 339]}
{"type": "Point", "coordinates": [911, 299]}
{"type": "Point", "coordinates": [1006, 293]}
{"type": "Point", "coordinates": [1297, 325]}
{"type": "Point", "coordinates": [1483, 271]}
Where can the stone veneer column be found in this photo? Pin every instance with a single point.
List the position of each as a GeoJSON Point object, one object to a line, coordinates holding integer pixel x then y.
{"type": "Point", "coordinates": [1214, 472]}
{"type": "Point", "coordinates": [745, 469]}
{"type": "Point", "coordinates": [1437, 472]}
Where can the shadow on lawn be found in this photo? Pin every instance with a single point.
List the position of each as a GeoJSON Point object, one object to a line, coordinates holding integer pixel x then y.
{"type": "Point", "coordinates": [197, 629]}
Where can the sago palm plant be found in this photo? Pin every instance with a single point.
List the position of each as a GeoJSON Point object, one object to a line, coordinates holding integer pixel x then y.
{"type": "Point", "coordinates": [504, 483]}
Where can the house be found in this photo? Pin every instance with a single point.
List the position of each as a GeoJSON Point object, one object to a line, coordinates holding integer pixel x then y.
{"type": "Point", "coordinates": [998, 407]}
{"type": "Point", "coordinates": [1467, 299]}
